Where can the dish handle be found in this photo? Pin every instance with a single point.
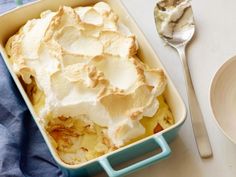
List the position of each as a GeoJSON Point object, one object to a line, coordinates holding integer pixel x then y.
{"type": "Point", "coordinates": [165, 152]}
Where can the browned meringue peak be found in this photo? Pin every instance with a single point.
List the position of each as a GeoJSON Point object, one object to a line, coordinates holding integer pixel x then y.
{"type": "Point", "coordinates": [35, 32]}
{"type": "Point", "coordinates": [70, 59]}
{"type": "Point", "coordinates": [103, 8]}
{"type": "Point", "coordinates": [117, 44]}
{"type": "Point", "coordinates": [99, 15]}
{"type": "Point", "coordinates": [129, 105]}
{"type": "Point", "coordinates": [21, 46]}
{"type": "Point", "coordinates": [90, 30]}
{"type": "Point", "coordinates": [74, 85]}
{"type": "Point", "coordinates": [65, 16]}
{"type": "Point", "coordinates": [156, 78]}
{"type": "Point", "coordinates": [41, 68]}
{"type": "Point", "coordinates": [122, 73]}
{"type": "Point", "coordinates": [88, 75]}
{"type": "Point", "coordinates": [90, 15]}
{"type": "Point", "coordinates": [74, 41]}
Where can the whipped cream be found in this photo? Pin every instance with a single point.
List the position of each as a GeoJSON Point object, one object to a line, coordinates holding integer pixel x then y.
{"type": "Point", "coordinates": [84, 61]}
{"type": "Point", "coordinates": [170, 12]}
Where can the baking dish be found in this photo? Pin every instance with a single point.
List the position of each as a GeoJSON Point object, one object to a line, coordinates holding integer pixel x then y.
{"type": "Point", "coordinates": [145, 52]}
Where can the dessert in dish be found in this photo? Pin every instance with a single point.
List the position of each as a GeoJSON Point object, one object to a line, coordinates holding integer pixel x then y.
{"type": "Point", "coordinates": [173, 16]}
{"type": "Point", "coordinates": [89, 89]}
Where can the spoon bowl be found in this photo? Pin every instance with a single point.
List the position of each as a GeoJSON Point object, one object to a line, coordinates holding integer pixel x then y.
{"type": "Point", "coordinates": [182, 28]}
{"type": "Point", "coordinates": [181, 38]}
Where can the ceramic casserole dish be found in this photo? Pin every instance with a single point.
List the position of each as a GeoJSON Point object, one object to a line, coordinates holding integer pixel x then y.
{"type": "Point", "coordinates": [10, 23]}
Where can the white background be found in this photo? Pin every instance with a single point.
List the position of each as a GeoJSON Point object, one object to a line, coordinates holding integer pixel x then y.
{"type": "Point", "coordinates": [214, 43]}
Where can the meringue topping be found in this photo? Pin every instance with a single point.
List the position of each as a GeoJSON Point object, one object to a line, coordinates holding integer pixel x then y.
{"type": "Point", "coordinates": [84, 62]}
{"type": "Point", "coordinates": [172, 16]}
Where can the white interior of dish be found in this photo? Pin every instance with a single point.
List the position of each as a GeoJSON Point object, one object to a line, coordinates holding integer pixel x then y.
{"type": "Point", "coordinates": [223, 98]}
{"type": "Point", "coordinates": [18, 17]}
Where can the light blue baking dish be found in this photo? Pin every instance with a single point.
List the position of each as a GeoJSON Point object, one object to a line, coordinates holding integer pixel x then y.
{"type": "Point", "coordinates": [146, 53]}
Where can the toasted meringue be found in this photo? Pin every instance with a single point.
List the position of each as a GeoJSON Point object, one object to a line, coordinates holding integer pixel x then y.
{"type": "Point", "coordinates": [73, 41]}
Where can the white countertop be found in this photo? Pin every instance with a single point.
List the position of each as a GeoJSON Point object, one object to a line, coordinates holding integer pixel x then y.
{"type": "Point", "coordinates": [214, 43]}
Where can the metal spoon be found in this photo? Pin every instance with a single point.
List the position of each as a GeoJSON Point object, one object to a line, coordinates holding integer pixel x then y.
{"type": "Point", "coordinates": [179, 32]}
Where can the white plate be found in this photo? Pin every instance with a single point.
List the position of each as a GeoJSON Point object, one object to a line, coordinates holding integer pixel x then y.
{"type": "Point", "coordinates": [223, 98]}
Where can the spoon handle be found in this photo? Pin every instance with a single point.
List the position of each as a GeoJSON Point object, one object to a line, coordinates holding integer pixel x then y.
{"type": "Point", "coordinates": [199, 129]}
